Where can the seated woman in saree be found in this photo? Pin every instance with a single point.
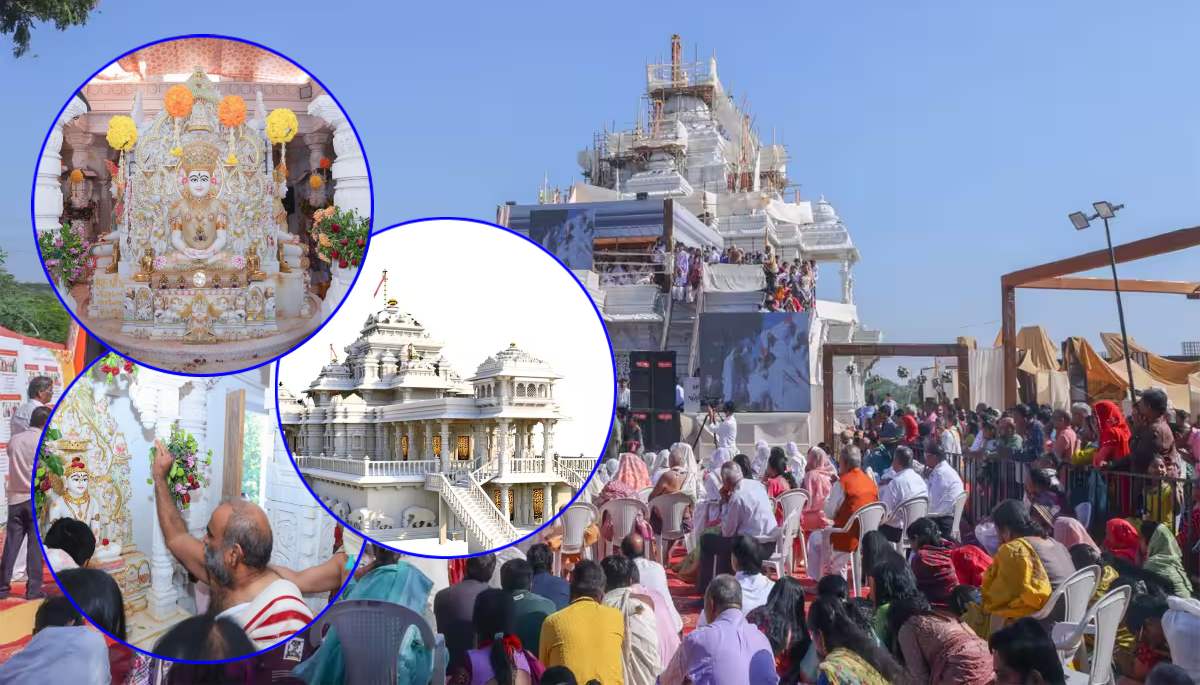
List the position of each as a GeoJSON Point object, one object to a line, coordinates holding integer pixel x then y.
{"type": "Point", "coordinates": [1163, 557]}
{"type": "Point", "coordinates": [390, 579]}
{"type": "Point", "coordinates": [849, 656]}
{"type": "Point", "coordinates": [706, 518]}
{"type": "Point", "coordinates": [1027, 566]}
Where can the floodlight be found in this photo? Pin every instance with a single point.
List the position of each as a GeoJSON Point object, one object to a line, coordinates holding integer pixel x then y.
{"type": "Point", "coordinates": [1104, 209]}
{"type": "Point", "coordinates": [1079, 220]}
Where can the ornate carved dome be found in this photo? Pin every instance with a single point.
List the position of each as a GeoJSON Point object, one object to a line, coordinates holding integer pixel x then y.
{"type": "Point", "coordinates": [513, 361]}
{"type": "Point", "coordinates": [824, 213]}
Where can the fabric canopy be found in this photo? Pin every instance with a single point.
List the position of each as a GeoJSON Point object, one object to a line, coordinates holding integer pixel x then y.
{"type": "Point", "coordinates": [1040, 353]}
{"type": "Point", "coordinates": [1103, 383]}
{"type": "Point", "coordinates": [1161, 368]}
{"type": "Point", "coordinates": [734, 278]}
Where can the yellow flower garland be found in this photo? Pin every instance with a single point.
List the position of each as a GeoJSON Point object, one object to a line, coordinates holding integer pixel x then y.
{"type": "Point", "coordinates": [122, 133]}
{"type": "Point", "coordinates": [315, 181]}
{"type": "Point", "coordinates": [282, 125]}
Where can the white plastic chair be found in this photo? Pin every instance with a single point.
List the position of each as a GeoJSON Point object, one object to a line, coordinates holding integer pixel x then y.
{"type": "Point", "coordinates": [868, 519]}
{"type": "Point", "coordinates": [1074, 592]}
{"type": "Point", "coordinates": [644, 493]}
{"type": "Point", "coordinates": [910, 510]}
{"type": "Point", "coordinates": [792, 500]}
{"type": "Point", "coordinates": [960, 503]}
{"type": "Point", "coordinates": [1102, 620]}
{"type": "Point", "coordinates": [622, 514]}
{"type": "Point", "coordinates": [782, 560]}
{"type": "Point", "coordinates": [670, 508]}
{"type": "Point", "coordinates": [575, 520]}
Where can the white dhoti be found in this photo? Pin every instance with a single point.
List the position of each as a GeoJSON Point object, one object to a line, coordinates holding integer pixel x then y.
{"type": "Point", "coordinates": [823, 560]}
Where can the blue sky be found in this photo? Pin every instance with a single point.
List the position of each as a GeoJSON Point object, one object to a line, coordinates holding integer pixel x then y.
{"type": "Point", "coordinates": [953, 138]}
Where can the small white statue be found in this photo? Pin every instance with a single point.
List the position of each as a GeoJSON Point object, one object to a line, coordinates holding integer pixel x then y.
{"type": "Point", "coordinates": [76, 501]}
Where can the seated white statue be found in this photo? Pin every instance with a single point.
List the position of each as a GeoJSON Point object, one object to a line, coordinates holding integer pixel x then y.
{"type": "Point", "coordinates": [199, 220]}
{"type": "Point", "coordinates": [76, 501]}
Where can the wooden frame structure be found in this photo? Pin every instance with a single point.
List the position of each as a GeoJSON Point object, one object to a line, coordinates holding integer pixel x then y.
{"type": "Point", "coordinates": [1059, 275]}
{"type": "Point", "coordinates": [831, 350]}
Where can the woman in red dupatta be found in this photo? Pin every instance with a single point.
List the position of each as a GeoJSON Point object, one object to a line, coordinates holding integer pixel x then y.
{"type": "Point", "coordinates": [1114, 434]}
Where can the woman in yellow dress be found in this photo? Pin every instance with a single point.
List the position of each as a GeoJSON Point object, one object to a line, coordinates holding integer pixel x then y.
{"type": "Point", "coordinates": [1016, 584]}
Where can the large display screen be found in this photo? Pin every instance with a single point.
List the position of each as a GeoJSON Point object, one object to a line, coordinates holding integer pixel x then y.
{"type": "Point", "coordinates": [568, 234]}
{"type": "Point", "coordinates": [759, 361]}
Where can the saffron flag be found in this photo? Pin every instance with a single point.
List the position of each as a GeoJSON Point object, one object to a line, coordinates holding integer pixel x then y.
{"type": "Point", "coordinates": [382, 280]}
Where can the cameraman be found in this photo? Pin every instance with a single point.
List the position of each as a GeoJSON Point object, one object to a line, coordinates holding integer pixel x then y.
{"type": "Point", "coordinates": [724, 430]}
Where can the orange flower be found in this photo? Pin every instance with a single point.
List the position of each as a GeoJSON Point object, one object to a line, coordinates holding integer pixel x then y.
{"type": "Point", "coordinates": [326, 163]}
{"type": "Point", "coordinates": [178, 101]}
{"type": "Point", "coordinates": [315, 181]}
{"type": "Point", "coordinates": [232, 111]}
{"type": "Point", "coordinates": [76, 175]}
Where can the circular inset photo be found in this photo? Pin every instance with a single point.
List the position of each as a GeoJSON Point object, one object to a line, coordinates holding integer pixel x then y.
{"type": "Point", "coordinates": [168, 510]}
{"type": "Point", "coordinates": [202, 205]}
{"type": "Point", "coordinates": [461, 397]}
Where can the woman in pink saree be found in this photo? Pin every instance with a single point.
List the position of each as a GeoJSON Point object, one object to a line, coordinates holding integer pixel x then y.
{"type": "Point", "coordinates": [819, 474]}
{"type": "Point", "coordinates": [632, 476]}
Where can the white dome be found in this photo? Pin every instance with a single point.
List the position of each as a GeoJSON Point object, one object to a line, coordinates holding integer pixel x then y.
{"type": "Point", "coordinates": [823, 212]}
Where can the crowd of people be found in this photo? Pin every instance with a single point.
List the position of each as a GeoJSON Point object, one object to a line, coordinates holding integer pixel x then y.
{"type": "Point", "coordinates": [960, 594]}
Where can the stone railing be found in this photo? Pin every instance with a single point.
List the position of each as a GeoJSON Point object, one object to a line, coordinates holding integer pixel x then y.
{"type": "Point", "coordinates": [367, 467]}
{"type": "Point", "coordinates": [527, 465]}
{"type": "Point", "coordinates": [485, 526]}
{"type": "Point", "coordinates": [580, 464]}
{"type": "Point", "coordinates": [574, 478]}
{"type": "Point", "coordinates": [485, 471]}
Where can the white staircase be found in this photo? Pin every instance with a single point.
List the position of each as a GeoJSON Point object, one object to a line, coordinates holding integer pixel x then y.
{"type": "Point", "coordinates": [486, 527]}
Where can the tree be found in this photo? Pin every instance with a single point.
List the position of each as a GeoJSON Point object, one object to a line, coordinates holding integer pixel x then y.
{"type": "Point", "coordinates": [18, 16]}
{"type": "Point", "coordinates": [31, 308]}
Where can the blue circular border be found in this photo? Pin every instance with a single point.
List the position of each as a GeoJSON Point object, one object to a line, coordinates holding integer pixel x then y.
{"type": "Point", "coordinates": [84, 374]}
{"type": "Point", "coordinates": [603, 447]}
{"type": "Point", "coordinates": [54, 122]}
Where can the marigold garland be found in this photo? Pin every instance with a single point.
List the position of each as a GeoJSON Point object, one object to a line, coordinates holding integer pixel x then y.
{"type": "Point", "coordinates": [76, 176]}
{"type": "Point", "coordinates": [178, 101]}
{"type": "Point", "coordinates": [122, 133]}
{"type": "Point", "coordinates": [282, 125]}
{"type": "Point", "coordinates": [231, 111]}
{"type": "Point", "coordinates": [315, 181]}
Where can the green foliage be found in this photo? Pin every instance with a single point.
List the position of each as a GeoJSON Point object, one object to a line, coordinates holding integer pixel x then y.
{"type": "Point", "coordinates": [47, 463]}
{"type": "Point", "coordinates": [31, 308]}
{"type": "Point", "coordinates": [17, 18]}
{"type": "Point", "coordinates": [879, 387]}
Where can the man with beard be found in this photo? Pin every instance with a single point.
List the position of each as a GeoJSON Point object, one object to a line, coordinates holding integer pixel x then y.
{"type": "Point", "coordinates": [232, 559]}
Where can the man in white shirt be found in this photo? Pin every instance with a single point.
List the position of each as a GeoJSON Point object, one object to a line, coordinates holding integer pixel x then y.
{"type": "Point", "coordinates": [748, 511]}
{"type": "Point", "coordinates": [945, 486]}
{"type": "Point", "coordinates": [747, 562]}
{"type": "Point", "coordinates": [623, 394]}
{"type": "Point", "coordinates": [906, 485]}
{"type": "Point", "coordinates": [651, 574]}
{"type": "Point", "coordinates": [40, 392]}
{"type": "Point", "coordinates": [724, 430]}
{"type": "Point", "coordinates": [948, 437]}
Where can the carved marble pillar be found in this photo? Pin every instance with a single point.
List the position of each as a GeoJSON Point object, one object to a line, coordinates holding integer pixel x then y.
{"type": "Point", "coordinates": [413, 453]}
{"type": "Point", "coordinates": [446, 446]}
{"type": "Point", "coordinates": [505, 494]}
{"type": "Point", "coordinates": [547, 501]}
{"type": "Point", "coordinates": [479, 441]}
{"type": "Point", "coordinates": [155, 398]}
{"type": "Point", "coordinates": [193, 417]}
{"type": "Point", "coordinates": [317, 143]}
{"type": "Point", "coordinates": [847, 283]}
{"type": "Point", "coordinates": [519, 439]}
{"type": "Point", "coordinates": [427, 427]}
{"type": "Point", "coordinates": [47, 190]}
{"type": "Point", "coordinates": [352, 183]}
{"type": "Point", "coordinates": [502, 447]}
{"type": "Point", "coordinates": [548, 444]}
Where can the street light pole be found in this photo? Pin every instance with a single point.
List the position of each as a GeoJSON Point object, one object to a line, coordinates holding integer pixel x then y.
{"type": "Point", "coordinates": [1112, 261]}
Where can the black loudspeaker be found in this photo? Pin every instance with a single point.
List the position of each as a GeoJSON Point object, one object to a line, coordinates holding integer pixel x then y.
{"type": "Point", "coordinates": [652, 380]}
{"type": "Point", "coordinates": [660, 429]}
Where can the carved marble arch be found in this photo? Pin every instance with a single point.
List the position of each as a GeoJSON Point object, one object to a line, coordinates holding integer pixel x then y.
{"type": "Point", "coordinates": [520, 389]}
{"type": "Point", "coordinates": [157, 181]}
{"type": "Point", "coordinates": [83, 417]}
